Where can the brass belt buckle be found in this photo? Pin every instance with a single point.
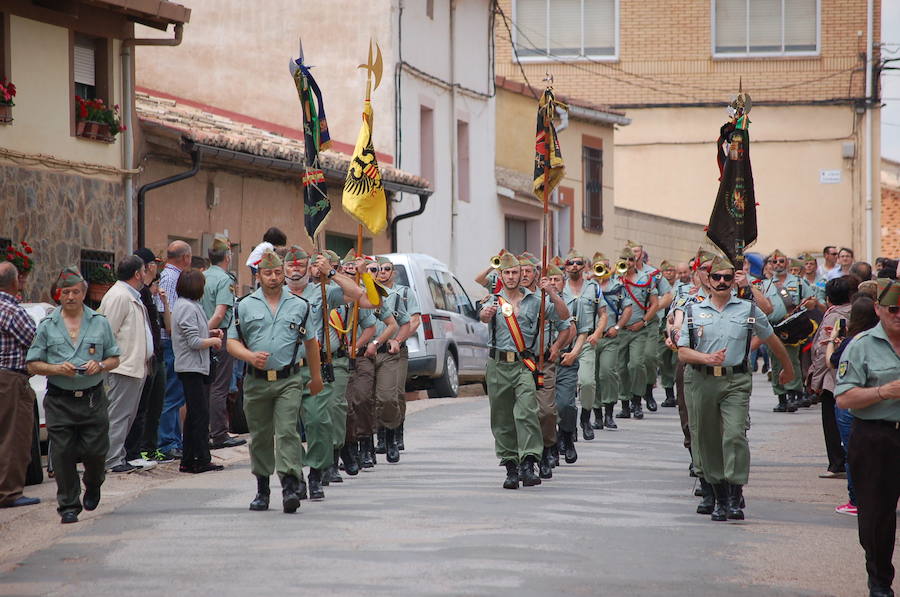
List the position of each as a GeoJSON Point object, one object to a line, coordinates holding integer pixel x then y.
{"type": "Point", "coordinates": [271, 375]}
{"type": "Point", "coordinates": [78, 393]}
{"type": "Point", "coordinates": [510, 357]}
{"type": "Point", "coordinates": [718, 371]}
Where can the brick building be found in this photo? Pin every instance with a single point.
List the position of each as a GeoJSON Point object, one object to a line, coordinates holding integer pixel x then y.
{"type": "Point", "coordinates": [890, 208]}
{"type": "Point", "coordinates": [674, 70]}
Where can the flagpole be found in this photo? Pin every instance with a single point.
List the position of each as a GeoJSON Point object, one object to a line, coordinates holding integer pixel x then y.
{"type": "Point", "coordinates": [327, 366]}
{"type": "Point", "coordinates": [544, 238]}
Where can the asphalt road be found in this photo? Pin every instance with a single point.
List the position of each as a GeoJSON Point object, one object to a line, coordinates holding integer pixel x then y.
{"type": "Point", "coordinates": [620, 521]}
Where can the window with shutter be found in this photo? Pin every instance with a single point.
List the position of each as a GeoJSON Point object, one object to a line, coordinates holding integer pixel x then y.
{"type": "Point", "coordinates": [765, 27]}
{"type": "Point", "coordinates": [85, 67]}
{"type": "Point", "coordinates": [566, 28]}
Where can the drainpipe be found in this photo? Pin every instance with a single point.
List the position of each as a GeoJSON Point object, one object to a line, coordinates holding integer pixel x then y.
{"type": "Point", "coordinates": [195, 167]}
{"type": "Point", "coordinates": [870, 241]}
{"type": "Point", "coordinates": [423, 200]}
{"type": "Point", "coordinates": [128, 133]}
{"type": "Point", "coordinates": [453, 144]}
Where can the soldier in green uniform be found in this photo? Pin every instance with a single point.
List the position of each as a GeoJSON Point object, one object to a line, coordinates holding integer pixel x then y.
{"type": "Point", "coordinates": [868, 383]}
{"type": "Point", "coordinates": [642, 294]}
{"type": "Point", "coordinates": [787, 293]}
{"type": "Point", "coordinates": [715, 342]}
{"type": "Point", "coordinates": [654, 316]}
{"type": "Point", "coordinates": [512, 315]}
{"type": "Point", "coordinates": [606, 341]}
{"type": "Point", "coordinates": [585, 291]}
{"type": "Point", "coordinates": [74, 347]}
{"type": "Point", "coordinates": [268, 330]}
{"type": "Point", "coordinates": [387, 278]}
{"type": "Point", "coordinates": [218, 305]}
{"type": "Point", "coordinates": [666, 358]}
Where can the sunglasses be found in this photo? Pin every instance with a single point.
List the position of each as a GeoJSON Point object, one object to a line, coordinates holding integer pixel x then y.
{"type": "Point", "coordinates": [725, 277]}
{"type": "Point", "coordinates": [387, 268]}
{"type": "Point", "coordinates": [372, 270]}
{"type": "Point", "coordinates": [780, 260]}
{"type": "Point", "coordinates": [832, 253]}
{"type": "Point", "coordinates": [574, 262]}
{"type": "Point", "coordinates": [893, 309]}
{"type": "Point", "coordinates": [629, 259]}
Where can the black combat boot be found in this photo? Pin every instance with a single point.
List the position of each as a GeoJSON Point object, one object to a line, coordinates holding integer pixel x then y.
{"type": "Point", "coordinates": [380, 446]}
{"type": "Point", "coordinates": [586, 430]}
{"type": "Point", "coordinates": [545, 471]}
{"type": "Point", "coordinates": [792, 402]}
{"type": "Point", "coordinates": [598, 418]}
{"type": "Point", "coordinates": [526, 472]}
{"type": "Point", "coordinates": [608, 420]}
{"type": "Point", "coordinates": [365, 452]}
{"type": "Point", "coordinates": [782, 404]}
{"type": "Point", "coordinates": [512, 475]}
{"type": "Point", "coordinates": [290, 501]}
{"type": "Point", "coordinates": [719, 512]}
{"type": "Point", "coordinates": [803, 400]}
{"type": "Point", "coordinates": [636, 411]}
{"type": "Point", "coordinates": [301, 488]}
{"type": "Point", "coordinates": [735, 497]}
{"type": "Point", "coordinates": [261, 501]}
{"type": "Point", "coordinates": [648, 397]}
{"type": "Point", "coordinates": [570, 453]}
{"type": "Point", "coordinates": [333, 475]}
{"type": "Point", "coordinates": [398, 433]}
{"type": "Point", "coordinates": [670, 401]}
{"type": "Point", "coordinates": [709, 498]}
{"type": "Point", "coordinates": [348, 457]}
{"type": "Point", "coordinates": [315, 484]}
{"type": "Point", "coordinates": [390, 442]}
{"type": "Point", "coordinates": [554, 455]}
{"type": "Point", "coordinates": [625, 413]}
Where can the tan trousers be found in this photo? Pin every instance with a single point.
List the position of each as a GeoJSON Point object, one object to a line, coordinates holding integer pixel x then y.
{"type": "Point", "coordinates": [16, 428]}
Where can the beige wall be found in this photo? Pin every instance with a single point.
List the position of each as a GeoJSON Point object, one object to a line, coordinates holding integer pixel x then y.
{"type": "Point", "coordinates": [665, 165]}
{"type": "Point", "coordinates": [39, 56]}
{"type": "Point", "coordinates": [663, 238]}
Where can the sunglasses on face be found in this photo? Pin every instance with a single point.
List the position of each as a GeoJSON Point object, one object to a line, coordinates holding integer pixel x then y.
{"type": "Point", "coordinates": [780, 260]}
{"type": "Point", "coordinates": [724, 277]}
{"type": "Point", "coordinates": [574, 262]}
{"type": "Point", "coordinates": [893, 309]}
{"type": "Point", "coordinates": [832, 253]}
{"type": "Point", "coordinates": [372, 270]}
{"type": "Point", "coordinates": [387, 268]}
{"type": "Point", "coordinates": [629, 259]}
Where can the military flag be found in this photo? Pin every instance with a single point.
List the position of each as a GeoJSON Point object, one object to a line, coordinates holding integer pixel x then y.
{"type": "Point", "coordinates": [732, 224]}
{"type": "Point", "coordinates": [316, 138]}
{"type": "Point", "coordinates": [364, 197]}
{"type": "Point", "coordinates": [546, 145]}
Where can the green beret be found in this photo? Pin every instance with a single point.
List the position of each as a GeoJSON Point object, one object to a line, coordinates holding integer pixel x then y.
{"type": "Point", "coordinates": [296, 253]}
{"type": "Point", "coordinates": [888, 292]}
{"type": "Point", "coordinates": [69, 277]}
{"type": "Point", "coordinates": [270, 260]}
{"type": "Point", "coordinates": [220, 243]}
{"type": "Point", "coordinates": [507, 261]}
{"type": "Point", "coordinates": [720, 262]}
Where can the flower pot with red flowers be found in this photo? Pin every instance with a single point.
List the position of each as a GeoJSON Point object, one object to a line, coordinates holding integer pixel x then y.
{"type": "Point", "coordinates": [96, 120]}
{"type": "Point", "coordinates": [100, 280]}
{"type": "Point", "coordinates": [7, 93]}
{"type": "Point", "coordinates": [20, 256]}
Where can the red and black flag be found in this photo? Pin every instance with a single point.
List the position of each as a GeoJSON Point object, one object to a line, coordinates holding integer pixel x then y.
{"type": "Point", "coordinates": [316, 205]}
{"type": "Point", "coordinates": [546, 145]}
{"type": "Point", "coordinates": [732, 225]}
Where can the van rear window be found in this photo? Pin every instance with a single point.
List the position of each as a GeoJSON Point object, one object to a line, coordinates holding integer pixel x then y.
{"type": "Point", "coordinates": [400, 275]}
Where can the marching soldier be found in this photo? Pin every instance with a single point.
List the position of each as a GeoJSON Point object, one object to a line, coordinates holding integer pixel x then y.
{"type": "Point", "coordinates": [679, 278]}
{"type": "Point", "coordinates": [643, 296]}
{"type": "Point", "coordinates": [512, 315]}
{"type": "Point", "coordinates": [715, 342]}
{"type": "Point", "coordinates": [269, 328]}
{"type": "Point", "coordinates": [605, 340]}
{"type": "Point", "coordinates": [74, 347]}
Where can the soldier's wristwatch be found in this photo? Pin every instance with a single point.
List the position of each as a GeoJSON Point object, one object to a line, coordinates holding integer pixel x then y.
{"type": "Point", "coordinates": [332, 273]}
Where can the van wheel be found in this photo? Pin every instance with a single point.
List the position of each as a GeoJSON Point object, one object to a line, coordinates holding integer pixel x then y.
{"type": "Point", "coordinates": [446, 386]}
{"type": "Point", "coordinates": [34, 474]}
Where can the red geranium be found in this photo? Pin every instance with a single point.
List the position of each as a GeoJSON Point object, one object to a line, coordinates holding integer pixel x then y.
{"type": "Point", "coordinates": [20, 258]}
{"type": "Point", "coordinates": [7, 92]}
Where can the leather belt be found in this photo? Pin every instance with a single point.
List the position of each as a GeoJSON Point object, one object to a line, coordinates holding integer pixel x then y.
{"type": "Point", "coordinates": [882, 422]}
{"type": "Point", "coordinates": [719, 371]}
{"type": "Point", "coordinates": [58, 391]}
{"type": "Point", "coordinates": [273, 374]}
{"type": "Point", "coordinates": [505, 356]}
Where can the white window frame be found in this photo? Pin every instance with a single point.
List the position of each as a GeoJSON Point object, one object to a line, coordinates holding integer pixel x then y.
{"type": "Point", "coordinates": [566, 57]}
{"type": "Point", "coordinates": [781, 54]}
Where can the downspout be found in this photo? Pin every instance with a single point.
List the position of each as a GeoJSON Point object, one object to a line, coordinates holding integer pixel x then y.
{"type": "Point", "coordinates": [128, 118]}
{"type": "Point", "coordinates": [195, 167]}
{"type": "Point", "coordinates": [423, 200]}
{"type": "Point", "coordinates": [870, 241]}
{"type": "Point", "coordinates": [453, 142]}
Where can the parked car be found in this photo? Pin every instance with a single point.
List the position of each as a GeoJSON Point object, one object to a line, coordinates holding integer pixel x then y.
{"type": "Point", "coordinates": [451, 345]}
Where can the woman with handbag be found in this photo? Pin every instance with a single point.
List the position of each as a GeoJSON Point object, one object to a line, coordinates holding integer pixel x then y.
{"type": "Point", "coordinates": [191, 341]}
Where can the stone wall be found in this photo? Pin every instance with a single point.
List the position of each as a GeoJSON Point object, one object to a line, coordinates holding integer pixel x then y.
{"type": "Point", "coordinates": [663, 238]}
{"type": "Point", "coordinates": [59, 214]}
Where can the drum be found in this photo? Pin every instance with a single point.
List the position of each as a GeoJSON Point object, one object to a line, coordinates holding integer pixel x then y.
{"type": "Point", "coordinates": [799, 327]}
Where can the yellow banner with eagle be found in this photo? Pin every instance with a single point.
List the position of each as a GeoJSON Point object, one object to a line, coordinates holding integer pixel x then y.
{"type": "Point", "coordinates": [364, 197]}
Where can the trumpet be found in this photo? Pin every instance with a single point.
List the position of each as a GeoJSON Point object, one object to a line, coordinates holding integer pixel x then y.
{"type": "Point", "coordinates": [621, 267]}
{"type": "Point", "coordinates": [600, 270]}
{"type": "Point", "coordinates": [495, 261]}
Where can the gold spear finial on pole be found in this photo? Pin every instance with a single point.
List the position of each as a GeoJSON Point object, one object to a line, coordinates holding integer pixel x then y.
{"type": "Point", "coordinates": [374, 66]}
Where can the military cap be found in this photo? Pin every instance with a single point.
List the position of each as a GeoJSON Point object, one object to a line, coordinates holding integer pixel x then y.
{"type": "Point", "coordinates": [888, 292]}
{"type": "Point", "coordinates": [220, 243]}
{"type": "Point", "coordinates": [598, 256]}
{"type": "Point", "coordinates": [720, 262]}
{"type": "Point", "coordinates": [70, 276]}
{"type": "Point", "coordinates": [350, 256]}
{"type": "Point", "coordinates": [626, 254]}
{"type": "Point", "coordinates": [553, 270]}
{"type": "Point", "coordinates": [665, 265]}
{"type": "Point", "coordinates": [630, 244]}
{"type": "Point", "coordinates": [526, 255]}
{"type": "Point", "coordinates": [574, 254]}
{"type": "Point", "coordinates": [798, 263]}
{"type": "Point", "coordinates": [507, 261]}
{"type": "Point", "coordinates": [381, 260]}
{"type": "Point", "coordinates": [296, 253]}
{"type": "Point", "coordinates": [525, 261]}
{"type": "Point", "coordinates": [332, 256]}
{"type": "Point", "coordinates": [806, 257]}
{"type": "Point", "coordinates": [703, 256]}
{"type": "Point", "coordinates": [776, 253]}
{"type": "Point", "coordinates": [270, 260]}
